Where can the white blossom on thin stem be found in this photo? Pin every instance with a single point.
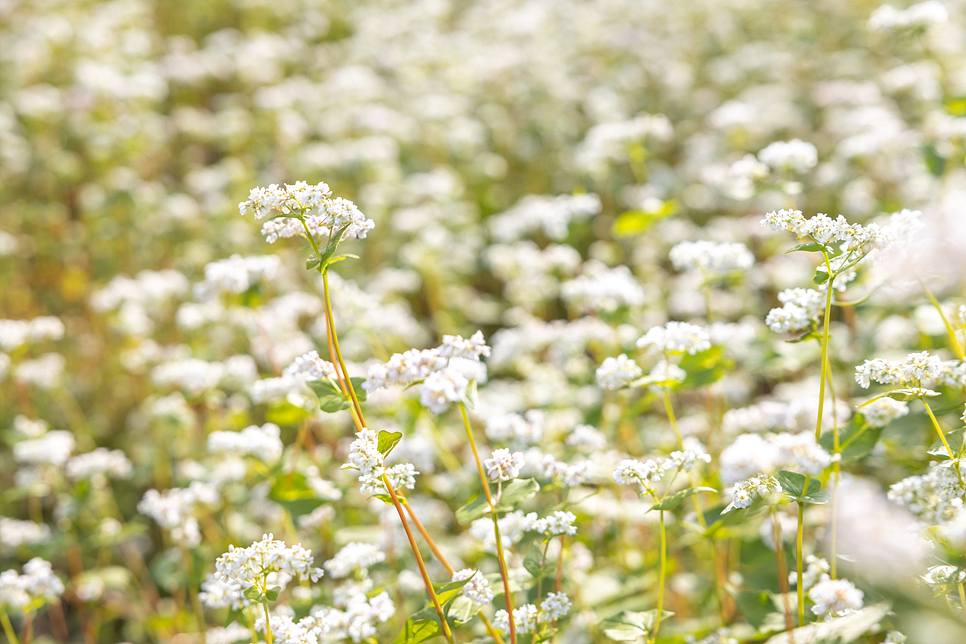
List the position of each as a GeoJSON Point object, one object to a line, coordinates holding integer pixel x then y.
{"type": "Point", "coordinates": [675, 338]}
{"type": "Point", "coordinates": [616, 373]}
{"type": "Point", "coordinates": [477, 589]}
{"type": "Point", "coordinates": [301, 202]}
{"type": "Point", "coordinates": [504, 465]}
{"type": "Point", "coordinates": [711, 259]}
{"type": "Point", "coordinates": [744, 493]}
{"type": "Point", "coordinates": [835, 597]}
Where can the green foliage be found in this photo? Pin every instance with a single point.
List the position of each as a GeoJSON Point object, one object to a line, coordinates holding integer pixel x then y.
{"type": "Point", "coordinates": [672, 501]}
{"type": "Point", "coordinates": [513, 492]}
{"type": "Point", "coordinates": [793, 484]}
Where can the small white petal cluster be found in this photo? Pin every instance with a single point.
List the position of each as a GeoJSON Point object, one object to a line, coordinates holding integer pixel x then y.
{"type": "Point", "coordinates": [588, 439]}
{"type": "Point", "coordinates": [358, 617]}
{"type": "Point", "coordinates": [195, 376]}
{"type": "Point", "coordinates": [603, 289]}
{"type": "Point", "coordinates": [99, 465]}
{"type": "Point", "coordinates": [816, 569]}
{"type": "Point", "coordinates": [694, 452]}
{"type": "Point", "coordinates": [883, 411]}
{"type": "Point", "coordinates": [550, 215]}
{"type": "Point", "coordinates": [935, 497]}
{"type": "Point", "coordinates": [53, 448]}
{"type": "Point", "coordinates": [801, 309]}
{"type": "Point", "coordinates": [263, 443]}
{"type": "Point", "coordinates": [248, 566]}
{"type": "Point", "coordinates": [570, 475]}
{"type": "Point", "coordinates": [888, 18]}
{"type": "Point", "coordinates": [15, 533]}
{"type": "Point", "coordinates": [751, 454]}
{"type": "Point", "coordinates": [441, 388]}
{"type": "Point", "coordinates": [914, 371]}
{"type": "Point", "coordinates": [172, 510]}
{"type": "Point", "coordinates": [16, 333]}
{"type": "Point", "coordinates": [710, 258]}
{"type": "Point", "coordinates": [311, 629]}
{"type": "Point", "coordinates": [616, 373]}
{"type": "Point", "coordinates": [856, 239]}
{"type": "Point", "coordinates": [310, 367]}
{"type": "Point", "coordinates": [794, 156]}
{"type": "Point", "coordinates": [555, 606]}
{"type": "Point", "coordinates": [472, 348]}
{"type": "Point", "coordinates": [43, 372]}
{"type": "Point", "coordinates": [645, 473]}
{"type": "Point", "coordinates": [556, 524]}
{"type": "Point", "coordinates": [300, 205]}
{"type": "Point", "coordinates": [236, 275]}
{"type": "Point", "coordinates": [894, 637]}
{"type": "Point", "coordinates": [528, 617]}
{"type": "Point", "coordinates": [516, 429]}
{"type": "Point", "coordinates": [744, 493]}
{"type": "Point", "coordinates": [512, 527]}
{"type": "Point", "coordinates": [354, 559]}
{"type": "Point", "coordinates": [36, 585]}
{"type": "Point", "coordinates": [795, 415]}
{"type": "Point", "coordinates": [675, 338]}
{"type": "Point", "coordinates": [666, 373]}
{"type": "Point", "coordinates": [477, 589]}
{"type": "Point", "coordinates": [835, 597]}
{"type": "Point", "coordinates": [504, 465]}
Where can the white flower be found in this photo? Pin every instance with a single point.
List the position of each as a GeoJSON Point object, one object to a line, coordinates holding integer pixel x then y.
{"type": "Point", "coordinates": [618, 372]}
{"type": "Point", "coordinates": [914, 371]}
{"type": "Point", "coordinates": [52, 448]}
{"type": "Point", "coordinates": [516, 429]}
{"type": "Point", "coordinates": [302, 205]}
{"type": "Point", "coordinates": [603, 289]}
{"type": "Point", "coordinates": [442, 388]}
{"type": "Point", "coordinates": [919, 15]}
{"type": "Point", "coordinates": [524, 619]}
{"type": "Point", "coordinates": [555, 606]}
{"type": "Point", "coordinates": [477, 589]}
{"type": "Point", "coordinates": [795, 156]}
{"type": "Point", "coordinates": [835, 597]}
{"type": "Point", "coordinates": [556, 524]}
{"type": "Point", "coordinates": [38, 583]}
{"type": "Point", "coordinates": [354, 558]}
{"type": "Point", "coordinates": [250, 566]}
{"type": "Point", "coordinates": [504, 465]}
{"type": "Point", "coordinates": [883, 411]}
{"type": "Point", "coordinates": [263, 443]}
{"type": "Point", "coordinates": [712, 259]}
{"type": "Point", "coordinates": [100, 464]}
{"type": "Point", "coordinates": [15, 533]}
{"type": "Point", "coordinates": [675, 337]}
{"type": "Point", "coordinates": [757, 487]}
{"type": "Point", "coordinates": [236, 274]}
{"type": "Point", "coordinates": [802, 307]}
{"type": "Point", "coordinates": [632, 471]}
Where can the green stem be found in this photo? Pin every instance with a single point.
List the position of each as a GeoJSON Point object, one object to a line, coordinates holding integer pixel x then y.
{"type": "Point", "coordinates": [828, 314]}
{"type": "Point", "coordinates": [199, 611]}
{"type": "Point", "coordinates": [543, 563]}
{"type": "Point", "coordinates": [268, 623]}
{"type": "Point", "coordinates": [799, 546]}
{"type": "Point", "coordinates": [953, 340]}
{"type": "Point", "coordinates": [837, 467]}
{"type": "Point", "coordinates": [335, 341]}
{"type": "Point", "coordinates": [935, 423]}
{"type": "Point", "coordinates": [962, 600]}
{"type": "Point", "coordinates": [496, 525]}
{"type": "Point", "coordinates": [8, 627]}
{"type": "Point", "coordinates": [778, 537]}
{"type": "Point", "coordinates": [661, 578]}
{"type": "Point", "coordinates": [669, 410]}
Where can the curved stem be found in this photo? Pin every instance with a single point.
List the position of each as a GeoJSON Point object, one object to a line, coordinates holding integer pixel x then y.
{"type": "Point", "coordinates": [939, 430]}
{"type": "Point", "coordinates": [962, 600]}
{"type": "Point", "coordinates": [335, 344]}
{"type": "Point", "coordinates": [777, 537]}
{"type": "Point", "coordinates": [953, 340]}
{"type": "Point", "coordinates": [496, 525]}
{"type": "Point", "coordinates": [8, 627]}
{"type": "Point", "coordinates": [669, 410]}
{"type": "Point", "coordinates": [268, 623]}
{"type": "Point", "coordinates": [193, 593]}
{"type": "Point", "coordinates": [828, 314]}
{"type": "Point", "coordinates": [799, 546]}
{"type": "Point", "coordinates": [661, 579]}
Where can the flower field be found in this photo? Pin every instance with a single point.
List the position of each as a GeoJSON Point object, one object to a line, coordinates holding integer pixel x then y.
{"type": "Point", "coordinates": [496, 321]}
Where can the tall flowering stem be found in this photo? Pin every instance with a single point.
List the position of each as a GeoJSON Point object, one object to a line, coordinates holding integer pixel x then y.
{"type": "Point", "coordinates": [8, 627]}
{"type": "Point", "coordinates": [496, 525]}
{"type": "Point", "coordinates": [661, 577]}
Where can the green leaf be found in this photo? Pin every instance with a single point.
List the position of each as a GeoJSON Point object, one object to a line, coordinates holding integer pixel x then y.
{"type": "Point", "coordinates": [462, 609]}
{"type": "Point", "coordinates": [272, 593]}
{"type": "Point", "coordinates": [857, 438]}
{"type": "Point", "coordinates": [331, 247]}
{"type": "Point", "coordinates": [344, 256]}
{"type": "Point", "coordinates": [705, 367]}
{"type": "Point", "coordinates": [934, 161]}
{"type": "Point", "coordinates": [955, 440]}
{"type": "Point", "coordinates": [385, 498]}
{"type": "Point", "coordinates": [793, 484]}
{"type": "Point", "coordinates": [635, 222]}
{"type": "Point", "coordinates": [840, 630]}
{"type": "Point", "coordinates": [416, 631]}
{"type": "Point", "coordinates": [446, 592]}
{"type": "Point", "coordinates": [293, 492]}
{"type": "Point", "coordinates": [674, 500]}
{"type": "Point", "coordinates": [311, 263]}
{"type": "Point", "coordinates": [388, 440]}
{"type": "Point", "coordinates": [811, 335]}
{"type": "Point", "coordinates": [514, 491]}
{"type": "Point", "coordinates": [536, 565]}
{"type": "Point", "coordinates": [809, 248]}
{"type": "Point", "coordinates": [755, 606]}
{"type": "Point", "coordinates": [330, 397]}
{"type": "Point", "coordinates": [357, 387]}
{"type": "Point", "coordinates": [253, 594]}
{"type": "Point", "coordinates": [821, 276]}
{"type": "Point", "coordinates": [285, 414]}
{"type": "Point", "coordinates": [628, 626]}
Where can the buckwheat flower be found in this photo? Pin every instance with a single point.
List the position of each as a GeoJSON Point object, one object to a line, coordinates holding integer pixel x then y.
{"type": "Point", "coordinates": [665, 372]}
{"type": "Point", "coordinates": [15, 533]}
{"type": "Point", "coordinates": [402, 475]}
{"type": "Point", "coordinates": [835, 597]}
{"type": "Point", "coordinates": [44, 372]}
{"type": "Point", "coordinates": [31, 428]}
{"type": "Point", "coordinates": [53, 448]}
{"type": "Point", "coordinates": [791, 221]}
{"type": "Point", "coordinates": [744, 493]}
{"type": "Point", "coordinates": [473, 348]}
{"type": "Point", "coordinates": [100, 465]}
{"type": "Point", "coordinates": [442, 388]}
{"type": "Point", "coordinates": [37, 583]}
{"type": "Point", "coordinates": [249, 566]}
{"type": "Point", "coordinates": [919, 15]}
{"type": "Point", "coordinates": [687, 459]}
{"type": "Point", "coordinates": [263, 443]}
{"type": "Point", "coordinates": [477, 589]}
{"type": "Point", "coordinates": [587, 439]}
{"type": "Point", "coordinates": [230, 634]}
{"type": "Point", "coordinates": [800, 453]}
{"type": "Point", "coordinates": [551, 215]}
{"type": "Point", "coordinates": [816, 569]}
{"type": "Point", "coordinates": [795, 156]}
{"type": "Point", "coordinates": [515, 429]}
{"type": "Point", "coordinates": [311, 367]}
{"type": "Point", "coordinates": [675, 338]}
{"type": "Point", "coordinates": [405, 369]}
{"type": "Point", "coordinates": [710, 258]}
{"type": "Point", "coordinates": [504, 465]}
{"type": "Point", "coordinates": [556, 524]}
{"type": "Point", "coordinates": [883, 411]}
{"type": "Point", "coordinates": [364, 454]}
{"type": "Point", "coordinates": [354, 559]}
{"type": "Point", "coordinates": [616, 373]}
{"type": "Point", "coordinates": [524, 619]}
{"type": "Point", "coordinates": [894, 637]}
{"type": "Point", "coordinates": [554, 606]}
{"type": "Point", "coordinates": [216, 593]}
{"type": "Point", "coordinates": [16, 333]}
{"type": "Point", "coordinates": [302, 205]}
{"type": "Point", "coordinates": [631, 471]}
{"type": "Point", "coordinates": [802, 308]}
{"type": "Point", "coordinates": [914, 371]}
{"type": "Point", "coordinates": [236, 274]}
{"type": "Point", "coordinates": [513, 525]}
{"type": "Point", "coordinates": [604, 289]}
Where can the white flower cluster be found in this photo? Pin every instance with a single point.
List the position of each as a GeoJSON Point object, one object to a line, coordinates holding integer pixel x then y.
{"type": "Point", "coordinates": [358, 616]}
{"type": "Point", "coordinates": [512, 527]}
{"type": "Point", "coordinates": [504, 465]}
{"type": "Point", "coordinates": [710, 258]}
{"type": "Point", "coordinates": [15, 533]}
{"type": "Point", "coordinates": [883, 411]}
{"type": "Point", "coordinates": [528, 618]}
{"type": "Point", "coordinates": [99, 465]}
{"type": "Point", "coordinates": [516, 429]}
{"type": "Point", "coordinates": [52, 448]}
{"type": "Point", "coordinates": [300, 205]}
{"type": "Point", "coordinates": [556, 524]}
{"type": "Point", "coordinates": [364, 456]}
{"type": "Point", "coordinates": [354, 559]}
{"type": "Point", "coordinates": [645, 473]}
{"type": "Point", "coordinates": [835, 597]}
{"type": "Point", "coordinates": [916, 370]}
{"type": "Point", "coordinates": [616, 373]}
{"type": "Point", "coordinates": [248, 566]}
{"type": "Point", "coordinates": [763, 454]}
{"type": "Point", "coordinates": [263, 443]}
{"type": "Point", "coordinates": [195, 376]}
{"type": "Point", "coordinates": [588, 439]}
{"type": "Point", "coordinates": [923, 14]}
{"type": "Point", "coordinates": [603, 289]}
{"type": "Point", "coordinates": [550, 215]}
{"type": "Point", "coordinates": [856, 239]}
{"type": "Point", "coordinates": [795, 156]}
{"type": "Point", "coordinates": [43, 372]}
{"type": "Point", "coordinates": [607, 142]}
{"type": "Point", "coordinates": [308, 367]}
{"type": "Point", "coordinates": [172, 509]}
{"type": "Point", "coordinates": [37, 585]}
{"type": "Point", "coordinates": [744, 493]}
{"type": "Point", "coordinates": [16, 333]}
{"type": "Point", "coordinates": [236, 275]}
{"type": "Point", "coordinates": [675, 338]}
{"type": "Point", "coordinates": [439, 369]}
{"type": "Point", "coordinates": [477, 589]}
{"type": "Point", "coordinates": [795, 415]}
{"type": "Point", "coordinates": [935, 497]}
{"type": "Point", "coordinates": [801, 309]}
{"type": "Point", "coordinates": [570, 475]}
